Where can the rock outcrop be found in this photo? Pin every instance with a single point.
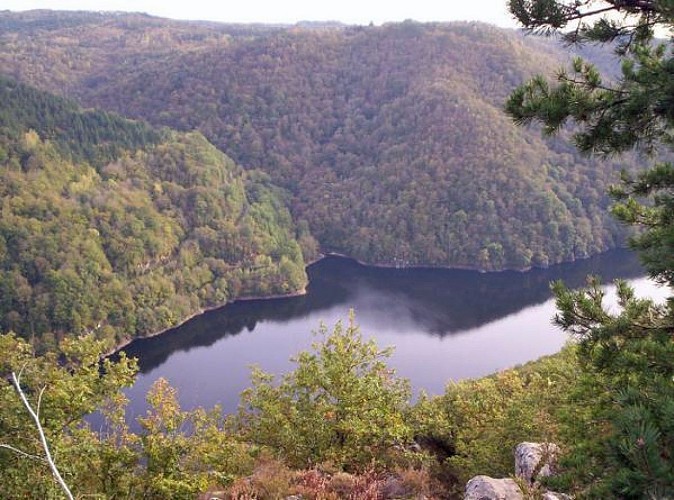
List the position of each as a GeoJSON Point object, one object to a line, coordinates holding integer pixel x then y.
{"type": "Point", "coordinates": [535, 460]}
{"type": "Point", "coordinates": [532, 462]}
{"type": "Point", "coordinates": [488, 488]}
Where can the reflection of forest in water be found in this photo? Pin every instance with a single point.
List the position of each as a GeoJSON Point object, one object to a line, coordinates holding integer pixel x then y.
{"type": "Point", "coordinates": [441, 301]}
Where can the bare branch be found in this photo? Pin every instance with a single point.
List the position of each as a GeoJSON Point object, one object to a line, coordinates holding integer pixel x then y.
{"type": "Point", "coordinates": [21, 452]}
{"type": "Point", "coordinates": [18, 377]}
{"type": "Point", "coordinates": [39, 401]}
{"type": "Point", "coordinates": [43, 439]}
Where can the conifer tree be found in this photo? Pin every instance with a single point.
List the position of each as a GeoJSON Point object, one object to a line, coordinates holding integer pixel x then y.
{"type": "Point", "coordinates": [630, 355]}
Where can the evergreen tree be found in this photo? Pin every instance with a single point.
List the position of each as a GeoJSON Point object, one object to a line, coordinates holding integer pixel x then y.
{"type": "Point", "coordinates": [630, 355]}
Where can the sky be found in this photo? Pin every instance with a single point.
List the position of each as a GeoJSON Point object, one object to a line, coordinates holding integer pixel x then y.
{"type": "Point", "coordinates": [291, 11]}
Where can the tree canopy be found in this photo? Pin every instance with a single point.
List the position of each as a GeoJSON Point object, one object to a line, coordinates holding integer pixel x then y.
{"type": "Point", "coordinates": [391, 140]}
{"type": "Point", "coordinates": [113, 227]}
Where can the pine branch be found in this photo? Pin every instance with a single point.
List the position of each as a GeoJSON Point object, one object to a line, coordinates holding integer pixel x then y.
{"type": "Point", "coordinates": [580, 15]}
{"type": "Point", "coordinates": [584, 83]}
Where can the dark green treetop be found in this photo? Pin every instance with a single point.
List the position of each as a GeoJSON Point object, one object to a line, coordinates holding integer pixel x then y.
{"type": "Point", "coordinates": [616, 116]}
{"type": "Point", "coordinates": [628, 355]}
{"type": "Point", "coordinates": [636, 111]}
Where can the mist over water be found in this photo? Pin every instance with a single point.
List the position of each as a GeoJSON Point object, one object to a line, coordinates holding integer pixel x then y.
{"type": "Point", "coordinates": [444, 324]}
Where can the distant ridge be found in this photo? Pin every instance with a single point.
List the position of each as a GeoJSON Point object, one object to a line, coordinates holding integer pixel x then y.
{"type": "Point", "coordinates": [391, 139]}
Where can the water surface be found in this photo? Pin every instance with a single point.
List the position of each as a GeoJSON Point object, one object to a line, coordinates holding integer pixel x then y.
{"type": "Point", "coordinates": [444, 324]}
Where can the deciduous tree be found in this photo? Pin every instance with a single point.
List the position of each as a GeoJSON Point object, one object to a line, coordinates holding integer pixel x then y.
{"type": "Point", "coordinates": [341, 404]}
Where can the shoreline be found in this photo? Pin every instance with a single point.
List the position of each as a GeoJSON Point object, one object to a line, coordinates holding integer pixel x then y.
{"type": "Point", "coordinates": [246, 298]}
{"type": "Point", "coordinates": [249, 298]}
{"type": "Point", "coordinates": [117, 348]}
{"type": "Point", "coordinates": [463, 268]}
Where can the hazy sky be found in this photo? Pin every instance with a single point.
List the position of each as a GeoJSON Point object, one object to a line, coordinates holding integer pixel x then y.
{"type": "Point", "coordinates": [291, 11]}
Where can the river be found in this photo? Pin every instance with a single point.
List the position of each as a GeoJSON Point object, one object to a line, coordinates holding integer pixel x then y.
{"type": "Point", "coordinates": [444, 325]}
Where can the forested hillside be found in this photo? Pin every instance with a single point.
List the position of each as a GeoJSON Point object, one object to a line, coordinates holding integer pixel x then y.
{"type": "Point", "coordinates": [108, 225]}
{"type": "Point", "coordinates": [391, 139]}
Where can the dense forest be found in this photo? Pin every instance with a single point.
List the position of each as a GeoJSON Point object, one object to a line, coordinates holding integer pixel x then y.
{"type": "Point", "coordinates": [113, 227]}
{"type": "Point", "coordinates": [391, 140]}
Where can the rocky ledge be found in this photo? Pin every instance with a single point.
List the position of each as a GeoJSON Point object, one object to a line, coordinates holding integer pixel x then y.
{"type": "Point", "coordinates": [533, 461]}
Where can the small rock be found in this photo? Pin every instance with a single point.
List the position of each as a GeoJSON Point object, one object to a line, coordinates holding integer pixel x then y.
{"type": "Point", "coordinates": [487, 488]}
{"type": "Point", "coordinates": [535, 460]}
{"type": "Point", "coordinates": [551, 495]}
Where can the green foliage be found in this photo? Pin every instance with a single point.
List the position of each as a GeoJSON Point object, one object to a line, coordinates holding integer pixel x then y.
{"type": "Point", "coordinates": [63, 386]}
{"type": "Point", "coordinates": [636, 112]}
{"type": "Point", "coordinates": [94, 136]}
{"type": "Point", "coordinates": [185, 452]}
{"type": "Point", "coordinates": [636, 27]}
{"type": "Point", "coordinates": [177, 453]}
{"type": "Point", "coordinates": [631, 357]}
{"type": "Point", "coordinates": [656, 242]}
{"type": "Point", "coordinates": [476, 424]}
{"type": "Point", "coordinates": [340, 405]}
{"type": "Point", "coordinates": [626, 356]}
{"type": "Point", "coordinates": [137, 242]}
{"type": "Point", "coordinates": [391, 140]}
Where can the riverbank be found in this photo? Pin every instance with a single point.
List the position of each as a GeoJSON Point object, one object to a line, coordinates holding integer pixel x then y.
{"type": "Point", "coordinates": [204, 310]}
{"type": "Point", "coordinates": [366, 265]}
{"type": "Point", "coordinates": [464, 268]}
{"type": "Point", "coordinates": [248, 298]}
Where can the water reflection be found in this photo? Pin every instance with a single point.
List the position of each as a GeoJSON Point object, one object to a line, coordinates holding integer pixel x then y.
{"type": "Point", "coordinates": [438, 302]}
{"type": "Point", "coordinates": [444, 324]}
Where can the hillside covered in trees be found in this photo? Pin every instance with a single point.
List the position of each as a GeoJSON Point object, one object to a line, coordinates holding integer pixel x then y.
{"type": "Point", "coordinates": [113, 227]}
{"type": "Point", "coordinates": [391, 140]}
{"type": "Point", "coordinates": [341, 423]}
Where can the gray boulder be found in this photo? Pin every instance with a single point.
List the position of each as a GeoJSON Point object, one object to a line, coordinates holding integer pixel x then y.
{"type": "Point", "coordinates": [535, 460]}
{"type": "Point", "coordinates": [487, 488]}
{"type": "Point", "coordinates": [532, 462]}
